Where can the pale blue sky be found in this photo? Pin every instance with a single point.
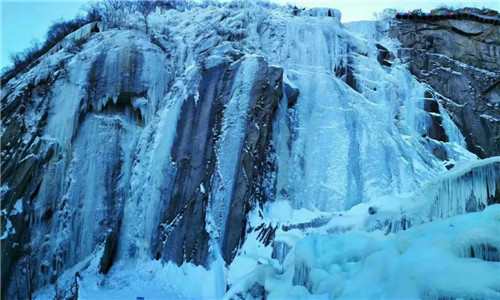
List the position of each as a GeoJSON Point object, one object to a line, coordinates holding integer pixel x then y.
{"type": "Point", "coordinates": [23, 21]}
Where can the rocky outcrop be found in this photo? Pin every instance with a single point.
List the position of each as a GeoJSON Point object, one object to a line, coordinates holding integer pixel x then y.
{"type": "Point", "coordinates": [196, 158]}
{"type": "Point", "coordinates": [460, 60]}
{"type": "Point", "coordinates": [24, 156]}
{"type": "Point", "coordinates": [461, 14]}
{"type": "Point", "coordinates": [384, 56]}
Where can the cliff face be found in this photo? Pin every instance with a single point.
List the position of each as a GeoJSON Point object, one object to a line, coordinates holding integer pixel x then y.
{"type": "Point", "coordinates": [96, 134]}
{"type": "Point", "coordinates": [224, 137]}
{"type": "Point", "coordinates": [459, 59]}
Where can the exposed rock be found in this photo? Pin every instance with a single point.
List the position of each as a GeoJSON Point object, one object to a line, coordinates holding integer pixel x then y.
{"type": "Point", "coordinates": [440, 153]}
{"type": "Point", "coordinates": [384, 56]}
{"type": "Point", "coordinates": [194, 157]}
{"type": "Point", "coordinates": [109, 254]}
{"type": "Point", "coordinates": [461, 61]}
{"type": "Point", "coordinates": [436, 130]}
{"type": "Point", "coordinates": [291, 92]}
{"type": "Point", "coordinates": [350, 78]}
{"type": "Point", "coordinates": [266, 92]}
{"type": "Point", "coordinates": [194, 154]}
{"type": "Point", "coordinates": [372, 210]}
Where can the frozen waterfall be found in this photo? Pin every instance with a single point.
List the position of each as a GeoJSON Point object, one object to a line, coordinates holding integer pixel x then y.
{"type": "Point", "coordinates": [265, 152]}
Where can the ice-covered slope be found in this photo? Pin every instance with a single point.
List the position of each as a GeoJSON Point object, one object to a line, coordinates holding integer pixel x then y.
{"type": "Point", "coordinates": [230, 141]}
{"type": "Point", "coordinates": [449, 258]}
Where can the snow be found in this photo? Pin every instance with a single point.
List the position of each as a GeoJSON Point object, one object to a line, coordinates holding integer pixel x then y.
{"type": "Point", "coordinates": [8, 229]}
{"type": "Point", "coordinates": [18, 208]}
{"type": "Point", "coordinates": [426, 261]}
{"type": "Point", "coordinates": [82, 33]}
{"type": "Point", "coordinates": [489, 118]}
{"type": "Point", "coordinates": [4, 188]}
{"type": "Point", "coordinates": [340, 150]}
{"type": "Point", "coordinates": [146, 278]}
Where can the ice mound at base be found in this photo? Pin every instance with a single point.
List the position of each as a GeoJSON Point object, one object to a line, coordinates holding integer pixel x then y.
{"type": "Point", "coordinates": [435, 260]}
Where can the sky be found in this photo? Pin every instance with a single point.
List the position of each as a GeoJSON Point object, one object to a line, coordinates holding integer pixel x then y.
{"type": "Point", "coordinates": [23, 21]}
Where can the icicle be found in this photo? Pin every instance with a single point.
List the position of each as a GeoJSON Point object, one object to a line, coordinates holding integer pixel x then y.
{"type": "Point", "coordinates": [280, 251]}
{"type": "Point", "coordinates": [484, 251]}
{"type": "Point", "coordinates": [466, 192]}
{"type": "Point", "coordinates": [301, 275]}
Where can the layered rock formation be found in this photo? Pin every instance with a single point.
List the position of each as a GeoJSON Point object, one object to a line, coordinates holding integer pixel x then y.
{"type": "Point", "coordinates": [460, 60]}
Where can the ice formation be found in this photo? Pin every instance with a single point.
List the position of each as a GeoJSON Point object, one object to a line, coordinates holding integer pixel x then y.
{"type": "Point", "coordinates": [268, 153]}
{"type": "Point", "coordinates": [447, 258]}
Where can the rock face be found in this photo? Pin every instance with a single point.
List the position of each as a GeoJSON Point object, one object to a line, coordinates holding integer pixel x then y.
{"type": "Point", "coordinates": [76, 145]}
{"type": "Point", "coordinates": [195, 156]}
{"type": "Point", "coordinates": [77, 151]}
{"type": "Point", "coordinates": [460, 60]}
